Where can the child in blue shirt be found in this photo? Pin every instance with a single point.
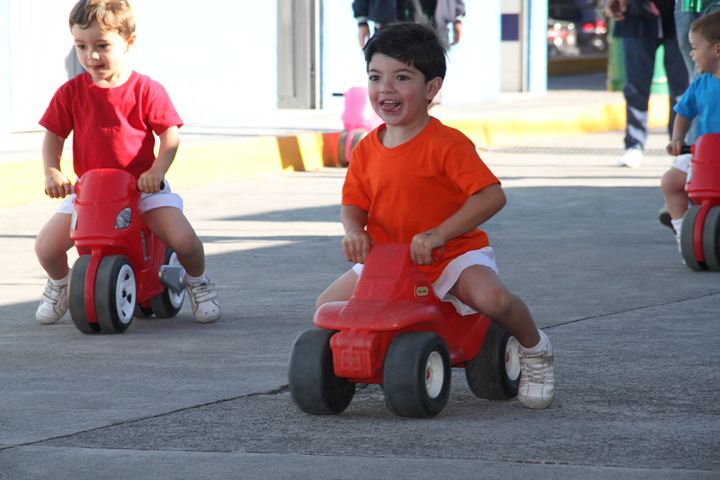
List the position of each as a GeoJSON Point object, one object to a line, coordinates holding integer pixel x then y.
{"type": "Point", "coordinates": [701, 100]}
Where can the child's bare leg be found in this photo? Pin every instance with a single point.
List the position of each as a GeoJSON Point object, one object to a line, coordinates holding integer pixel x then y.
{"type": "Point", "coordinates": [173, 228]}
{"type": "Point", "coordinates": [52, 244]}
{"type": "Point", "coordinates": [175, 231]}
{"type": "Point", "coordinates": [480, 288]}
{"type": "Point", "coordinates": [340, 289]}
{"type": "Point", "coordinates": [673, 189]}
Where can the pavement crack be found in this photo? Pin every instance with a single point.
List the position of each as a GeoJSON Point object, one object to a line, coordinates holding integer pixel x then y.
{"type": "Point", "coordinates": [634, 309]}
{"type": "Point", "coordinates": [276, 391]}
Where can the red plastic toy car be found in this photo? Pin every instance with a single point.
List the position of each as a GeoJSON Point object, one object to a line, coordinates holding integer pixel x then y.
{"type": "Point", "coordinates": [123, 269]}
{"type": "Point", "coordinates": [395, 332]}
{"type": "Point", "coordinates": [700, 234]}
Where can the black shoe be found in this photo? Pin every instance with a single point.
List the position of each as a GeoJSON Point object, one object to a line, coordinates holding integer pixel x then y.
{"type": "Point", "coordinates": [665, 219]}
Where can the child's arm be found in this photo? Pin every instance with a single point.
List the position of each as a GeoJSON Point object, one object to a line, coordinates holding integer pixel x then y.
{"type": "Point", "coordinates": [681, 125]}
{"type": "Point", "coordinates": [57, 184]}
{"type": "Point", "coordinates": [149, 181]}
{"type": "Point", "coordinates": [478, 208]}
{"type": "Point", "coordinates": [356, 243]}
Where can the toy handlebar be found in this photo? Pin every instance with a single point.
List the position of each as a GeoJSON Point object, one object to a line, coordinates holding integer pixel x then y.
{"type": "Point", "coordinates": [685, 149]}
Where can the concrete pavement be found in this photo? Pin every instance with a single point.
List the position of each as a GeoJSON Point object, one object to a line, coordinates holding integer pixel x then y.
{"type": "Point", "coordinates": [635, 334]}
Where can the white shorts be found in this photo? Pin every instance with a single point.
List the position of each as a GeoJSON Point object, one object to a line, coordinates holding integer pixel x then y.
{"type": "Point", "coordinates": [449, 276]}
{"type": "Point", "coordinates": [148, 201]}
{"type": "Point", "coordinates": [682, 162]}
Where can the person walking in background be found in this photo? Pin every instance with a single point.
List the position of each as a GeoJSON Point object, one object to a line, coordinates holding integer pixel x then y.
{"type": "Point", "coordinates": [438, 13]}
{"type": "Point", "coordinates": [645, 25]}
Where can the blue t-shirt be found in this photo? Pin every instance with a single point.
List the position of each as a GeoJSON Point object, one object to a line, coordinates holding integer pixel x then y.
{"type": "Point", "coordinates": [702, 100]}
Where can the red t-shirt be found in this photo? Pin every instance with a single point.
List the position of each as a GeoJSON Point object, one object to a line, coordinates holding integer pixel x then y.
{"type": "Point", "coordinates": [113, 127]}
{"type": "Point", "coordinates": [416, 186]}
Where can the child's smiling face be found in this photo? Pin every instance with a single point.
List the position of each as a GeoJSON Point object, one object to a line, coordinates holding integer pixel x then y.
{"type": "Point", "coordinates": [102, 53]}
{"type": "Point", "coordinates": [399, 92]}
{"type": "Point", "coordinates": [705, 54]}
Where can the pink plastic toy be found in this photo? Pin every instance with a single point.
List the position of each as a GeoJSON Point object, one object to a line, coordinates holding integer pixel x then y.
{"type": "Point", "coordinates": [358, 120]}
{"type": "Point", "coordinates": [395, 332]}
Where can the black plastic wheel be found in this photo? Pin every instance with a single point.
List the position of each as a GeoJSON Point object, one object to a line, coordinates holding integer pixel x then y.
{"type": "Point", "coordinates": [711, 239]}
{"type": "Point", "coordinates": [168, 303]}
{"type": "Point", "coordinates": [143, 312]}
{"type": "Point", "coordinates": [355, 136]}
{"type": "Point", "coordinates": [494, 373]}
{"type": "Point", "coordinates": [687, 240]}
{"type": "Point", "coordinates": [115, 290]}
{"type": "Point", "coordinates": [311, 377]}
{"type": "Point", "coordinates": [77, 296]}
{"type": "Point", "coordinates": [417, 374]}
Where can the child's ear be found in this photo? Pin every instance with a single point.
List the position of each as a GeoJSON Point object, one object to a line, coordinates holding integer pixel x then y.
{"type": "Point", "coordinates": [432, 87]}
{"type": "Point", "coordinates": [131, 41]}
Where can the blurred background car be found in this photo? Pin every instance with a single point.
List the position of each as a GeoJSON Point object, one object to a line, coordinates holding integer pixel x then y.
{"type": "Point", "coordinates": [576, 27]}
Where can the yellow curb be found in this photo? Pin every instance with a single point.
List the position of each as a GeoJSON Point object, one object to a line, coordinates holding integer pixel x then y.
{"type": "Point", "coordinates": [196, 163]}
{"type": "Point", "coordinates": [505, 129]}
{"type": "Point", "coordinates": [227, 160]}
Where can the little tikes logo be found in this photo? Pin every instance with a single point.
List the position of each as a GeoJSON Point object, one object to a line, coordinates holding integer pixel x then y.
{"type": "Point", "coordinates": [421, 291]}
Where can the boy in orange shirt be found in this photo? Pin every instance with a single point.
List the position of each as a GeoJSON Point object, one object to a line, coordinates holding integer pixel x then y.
{"type": "Point", "coordinates": [414, 180]}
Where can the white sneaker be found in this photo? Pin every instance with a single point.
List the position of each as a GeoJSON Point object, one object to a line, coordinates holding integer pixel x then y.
{"type": "Point", "coordinates": [54, 303]}
{"type": "Point", "coordinates": [537, 378]}
{"type": "Point", "coordinates": [203, 298]}
{"type": "Point", "coordinates": [632, 158]}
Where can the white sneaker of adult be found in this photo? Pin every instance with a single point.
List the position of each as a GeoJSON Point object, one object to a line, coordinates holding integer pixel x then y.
{"type": "Point", "coordinates": [632, 158]}
{"type": "Point", "coordinates": [54, 303]}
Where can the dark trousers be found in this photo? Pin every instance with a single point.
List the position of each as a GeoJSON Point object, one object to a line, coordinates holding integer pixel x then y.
{"type": "Point", "coordinates": [639, 69]}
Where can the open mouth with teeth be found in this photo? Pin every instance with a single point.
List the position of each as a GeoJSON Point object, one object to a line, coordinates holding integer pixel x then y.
{"type": "Point", "coordinates": [390, 105]}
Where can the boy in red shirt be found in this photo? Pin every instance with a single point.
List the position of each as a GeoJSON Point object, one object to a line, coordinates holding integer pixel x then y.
{"type": "Point", "coordinates": [414, 180]}
{"type": "Point", "coordinates": [113, 113]}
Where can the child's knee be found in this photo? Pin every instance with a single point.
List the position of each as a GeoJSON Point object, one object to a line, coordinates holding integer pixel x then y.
{"type": "Point", "coordinates": [187, 244]}
{"type": "Point", "coordinates": [495, 300]}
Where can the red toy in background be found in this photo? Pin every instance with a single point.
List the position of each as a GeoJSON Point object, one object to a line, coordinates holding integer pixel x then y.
{"type": "Point", "coordinates": [358, 119]}
{"type": "Point", "coordinates": [395, 332]}
{"type": "Point", "coordinates": [700, 234]}
{"type": "Point", "coordinates": [123, 270]}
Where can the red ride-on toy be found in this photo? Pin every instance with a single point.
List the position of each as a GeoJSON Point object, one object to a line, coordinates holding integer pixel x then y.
{"type": "Point", "coordinates": [700, 234]}
{"type": "Point", "coordinates": [123, 270]}
{"type": "Point", "coordinates": [358, 120]}
{"type": "Point", "coordinates": [395, 332]}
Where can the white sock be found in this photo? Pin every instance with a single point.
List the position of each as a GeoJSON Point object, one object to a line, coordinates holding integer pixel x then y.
{"type": "Point", "coordinates": [677, 225]}
{"type": "Point", "coordinates": [540, 347]}
{"type": "Point", "coordinates": [62, 281]}
{"type": "Point", "coordinates": [190, 280]}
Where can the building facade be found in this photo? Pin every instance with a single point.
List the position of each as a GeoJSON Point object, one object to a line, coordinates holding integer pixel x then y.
{"type": "Point", "coordinates": [221, 60]}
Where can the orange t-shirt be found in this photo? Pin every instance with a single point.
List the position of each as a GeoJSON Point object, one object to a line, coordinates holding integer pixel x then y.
{"type": "Point", "coordinates": [416, 186]}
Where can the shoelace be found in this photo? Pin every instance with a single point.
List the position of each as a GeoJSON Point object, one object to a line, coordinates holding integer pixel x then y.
{"type": "Point", "coordinates": [52, 293]}
{"type": "Point", "coordinates": [535, 367]}
{"type": "Point", "coordinates": [202, 292]}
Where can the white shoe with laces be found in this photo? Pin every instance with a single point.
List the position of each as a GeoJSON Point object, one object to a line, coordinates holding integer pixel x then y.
{"type": "Point", "coordinates": [203, 298]}
{"type": "Point", "coordinates": [54, 303]}
{"type": "Point", "coordinates": [632, 158]}
{"type": "Point", "coordinates": [537, 377]}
